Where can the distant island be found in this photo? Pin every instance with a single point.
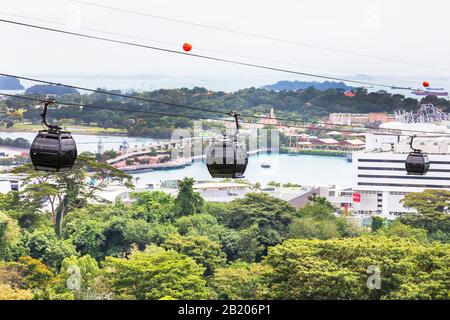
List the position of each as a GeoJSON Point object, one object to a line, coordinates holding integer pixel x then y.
{"type": "Point", "coordinates": [286, 85]}
{"type": "Point", "coordinates": [9, 83]}
{"type": "Point", "coordinates": [50, 89]}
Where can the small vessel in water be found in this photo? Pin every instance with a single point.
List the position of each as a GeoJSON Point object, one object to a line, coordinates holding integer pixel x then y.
{"type": "Point", "coordinates": [265, 165]}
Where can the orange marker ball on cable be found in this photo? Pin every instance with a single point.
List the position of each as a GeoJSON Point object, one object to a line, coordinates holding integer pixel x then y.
{"type": "Point", "coordinates": [187, 46]}
{"type": "Point", "coordinates": [426, 84]}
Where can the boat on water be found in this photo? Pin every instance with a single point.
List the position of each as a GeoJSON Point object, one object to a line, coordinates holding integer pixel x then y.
{"type": "Point", "coordinates": [265, 165]}
{"type": "Point", "coordinates": [419, 92]}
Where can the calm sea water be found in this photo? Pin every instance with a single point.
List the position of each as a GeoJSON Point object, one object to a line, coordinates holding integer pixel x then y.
{"type": "Point", "coordinates": [301, 169]}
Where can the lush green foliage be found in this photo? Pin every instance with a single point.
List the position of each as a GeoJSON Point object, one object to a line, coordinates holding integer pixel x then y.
{"type": "Point", "coordinates": [155, 274]}
{"type": "Point", "coordinates": [308, 104]}
{"type": "Point", "coordinates": [318, 221]}
{"type": "Point", "coordinates": [188, 201]}
{"type": "Point", "coordinates": [432, 213]}
{"type": "Point", "coordinates": [18, 142]}
{"type": "Point", "coordinates": [338, 269]}
{"type": "Point", "coordinates": [256, 247]}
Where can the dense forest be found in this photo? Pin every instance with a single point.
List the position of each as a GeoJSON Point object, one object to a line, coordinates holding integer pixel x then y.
{"type": "Point", "coordinates": [17, 143]}
{"type": "Point", "coordinates": [50, 89]}
{"type": "Point", "coordinates": [309, 104]}
{"type": "Point", "coordinates": [77, 246]}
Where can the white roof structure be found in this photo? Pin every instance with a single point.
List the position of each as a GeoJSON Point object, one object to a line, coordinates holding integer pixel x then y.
{"type": "Point", "coordinates": [355, 142]}
{"type": "Point", "coordinates": [220, 185]}
{"type": "Point", "coordinates": [433, 127]}
{"type": "Point", "coordinates": [334, 133]}
{"type": "Point", "coordinates": [328, 141]}
{"type": "Point", "coordinates": [357, 134]}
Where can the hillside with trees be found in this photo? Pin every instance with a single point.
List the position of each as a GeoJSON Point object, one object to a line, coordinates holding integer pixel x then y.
{"type": "Point", "coordinates": [180, 247]}
{"type": "Point", "coordinates": [50, 89]}
{"type": "Point", "coordinates": [309, 104]}
{"type": "Point", "coordinates": [9, 83]}
{"type": "Point", "coordinates": [286, 85]}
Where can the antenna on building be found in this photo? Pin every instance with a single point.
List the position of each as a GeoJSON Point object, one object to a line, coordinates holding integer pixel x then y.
{"type": "Point", "coordinates": [125, 146]}
{"type": "Point", "coordinates": [100, 147]}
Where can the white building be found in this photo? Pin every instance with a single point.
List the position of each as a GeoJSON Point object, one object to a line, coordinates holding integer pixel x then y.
{"type": "Point", "coordinates": [380, 181]}
{"type": "Point", "coordinates": [221, 191]}
{"type": "Point", "coordinates": [9, 183]}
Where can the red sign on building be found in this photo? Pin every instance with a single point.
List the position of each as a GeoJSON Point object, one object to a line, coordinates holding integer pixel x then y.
{"type": "Point", "coordinates": [357, 197]}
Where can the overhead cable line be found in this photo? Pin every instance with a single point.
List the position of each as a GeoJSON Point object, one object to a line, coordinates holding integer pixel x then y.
{"type": "Point", "coordinates": [203, 49]}
{"type": "Point", "coordinates": [292, 120]}
{"type": "Point", "coordinates": [82, 105]}
{"type": "Point", "coordinates": [115, 94]}
{"type": "Point", "coordinates": [211, 58]}
{"type": "Point", "coordinates": [255, 35]}
{"type": "Point", "coordinates": [78, 105]}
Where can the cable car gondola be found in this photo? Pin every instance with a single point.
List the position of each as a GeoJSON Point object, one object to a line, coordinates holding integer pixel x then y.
{"type": "Point", "coordinates": [226, 157]}
{"type": "Point", "coordinates": [417, 162]}
{"type": "Point", "coordinates": [53, 150]}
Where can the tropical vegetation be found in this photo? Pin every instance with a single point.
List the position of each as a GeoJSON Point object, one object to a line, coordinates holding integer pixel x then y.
{"type": "Point", "coordinates": [60, 240]}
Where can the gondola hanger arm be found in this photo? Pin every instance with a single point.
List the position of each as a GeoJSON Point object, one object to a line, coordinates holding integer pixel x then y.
{"type": "Point", "coordinates": [411, 144]}
{"type": "Point", "coordinates": [44, 116]}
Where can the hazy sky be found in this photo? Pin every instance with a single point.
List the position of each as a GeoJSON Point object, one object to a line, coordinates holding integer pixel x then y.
{"type": "Point", "coordinates": [409, 30]}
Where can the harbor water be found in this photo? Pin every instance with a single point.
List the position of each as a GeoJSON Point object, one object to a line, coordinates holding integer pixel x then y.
{"type": "Point", "coordinates": [300, 169]}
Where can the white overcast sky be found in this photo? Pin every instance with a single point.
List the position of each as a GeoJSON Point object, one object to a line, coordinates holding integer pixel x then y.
{"type": "Point", "coordinates": [409, 30]}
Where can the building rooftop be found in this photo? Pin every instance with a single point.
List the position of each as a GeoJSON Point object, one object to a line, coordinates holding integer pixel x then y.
{"type": "Point", "coordinates": [355, 142]}
{"type": "Point", "coordinates": [334, 133]}
{"type": "Point", "coordinates": [328, 141]}
{"type": "Point", "coordinates": [357, 134]}
{"type": "Point", "coordinates": [216, 185]}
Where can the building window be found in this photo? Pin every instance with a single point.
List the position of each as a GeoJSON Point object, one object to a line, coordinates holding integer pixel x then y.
{"type": "Point", "coordinates": [402, 177]}
{"type": "Point", "coordinates": [402, 185]}
{"type": "Point", "coordinates": [398, 161]}
{"type": "Point", "coordinates": [399, 169]}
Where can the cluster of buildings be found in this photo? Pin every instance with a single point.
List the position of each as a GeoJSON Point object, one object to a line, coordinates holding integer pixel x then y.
{"type": "Point", "coordinates": [379, 178]}
{"type": "Point", "coordinates": [345, 142]}
{"type": "Point", "coordinates": [139, 159]}
{"type": "Point", "coordinates": [360, 118]}
{"type": "Point", "coordinates": [380, 181]}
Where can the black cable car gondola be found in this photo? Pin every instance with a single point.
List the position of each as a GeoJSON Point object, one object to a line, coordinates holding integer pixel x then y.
{"type": "Point", "coordinates": [226, 158]}
{"type": "Point", "coordinates": [53, 150]}
{"type": "Point", "coordinates": [417, 162]}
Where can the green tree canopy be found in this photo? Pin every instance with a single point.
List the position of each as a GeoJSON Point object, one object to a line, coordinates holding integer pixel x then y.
{"type": "Point", "coordinates": [187, 201]}
{"type": "Point", "coordinates": [398, 229]}
{"type": "Point", "coordinates": [240, 281]}
{"type": "Point", "coordinates": [338, 269]}
{"type": "Point", "coordinates": [155, 274]}
{"type": "Point", "coordinates": [65, 191]}
{"type": "Point", "coordinates": [11, 241]}
{"type": "Point", "coordinates": [271, 215]}
{"type": "Point", "coordinates": [432, 211]}
{"type": "Point", "coordinates": [43, 244]}
{"type": "Point", "coordinates": [204, 251]}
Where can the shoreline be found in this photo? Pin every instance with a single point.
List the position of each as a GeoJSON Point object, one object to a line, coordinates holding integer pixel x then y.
{"type": "Point", "coordinates": [99, 133]}
{"type": "Point", "coordinates": [317, 152]}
